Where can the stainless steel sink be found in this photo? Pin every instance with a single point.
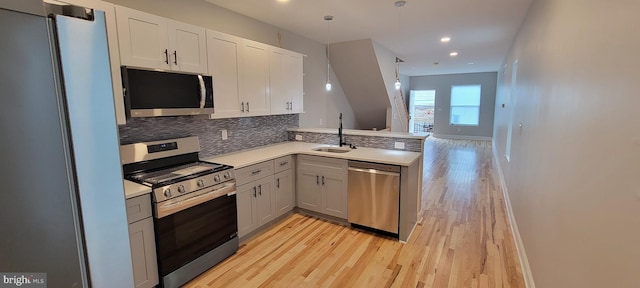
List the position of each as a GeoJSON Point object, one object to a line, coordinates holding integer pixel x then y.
{"type": "Point", "coordinates": [332, 149]}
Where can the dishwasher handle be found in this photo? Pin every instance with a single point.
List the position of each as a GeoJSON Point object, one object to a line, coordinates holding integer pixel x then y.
{"type": "Point", "coordinates": [374, 171]}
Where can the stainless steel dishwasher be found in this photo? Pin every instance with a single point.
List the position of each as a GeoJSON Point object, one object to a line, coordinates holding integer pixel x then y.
{"type": "Point", "coordinates": [374, 195]}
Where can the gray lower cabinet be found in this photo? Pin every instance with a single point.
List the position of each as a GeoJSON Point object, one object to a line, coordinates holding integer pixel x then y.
{"type": "Point", "coordinates": [284, 192]}
{"type": "Point", "coordinates": [321, 185]}
{"type": "Point", "coordinates": [284, 184]}
{"type": "Point", "coordinates": [142, 241]}
{"type": "Point", "coordinates": [256, 197]}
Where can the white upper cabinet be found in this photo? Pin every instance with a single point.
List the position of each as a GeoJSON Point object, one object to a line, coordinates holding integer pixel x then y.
{"type": "Point", "coordinates": [277, 82]}
{"type": "Point", "coordinates": [285, 80]}
{"type": "Point", "coordinates": [150, 41]}
{"type": "Point", "coordinates": [223, 53]}
{"type": "Point", "coordinates": [294, 75]}
{"type": "Point", "coordinates": [255, 79]}
{"type": "Point", "coordinates": [189, 47]}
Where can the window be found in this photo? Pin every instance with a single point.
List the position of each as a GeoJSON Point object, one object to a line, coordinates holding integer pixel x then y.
{"type": "Point", "coordinates": [465, 105]}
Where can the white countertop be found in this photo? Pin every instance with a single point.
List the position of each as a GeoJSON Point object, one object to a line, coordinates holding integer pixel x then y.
{"type": "Point", "coordinates": [256, 155]}
{"type": "Point", "coordinates": [133, 189]}
{"type": "Point", "coordinates": [363, 133]}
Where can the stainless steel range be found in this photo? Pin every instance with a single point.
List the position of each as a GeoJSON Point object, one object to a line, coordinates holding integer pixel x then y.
{"type": "Point", "coordinates": [195, 216]}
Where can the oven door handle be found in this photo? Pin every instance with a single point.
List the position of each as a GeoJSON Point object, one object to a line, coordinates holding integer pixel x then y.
{"type": "Point", "coordinates": [178, 204]}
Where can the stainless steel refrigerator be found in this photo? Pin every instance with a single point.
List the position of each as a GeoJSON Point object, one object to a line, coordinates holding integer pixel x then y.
{"type": "Point", "coordinates": [62, 206]}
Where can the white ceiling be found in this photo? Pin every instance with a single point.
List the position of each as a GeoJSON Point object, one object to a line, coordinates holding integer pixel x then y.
{"type": "Point", "coordinates": [481, 31]}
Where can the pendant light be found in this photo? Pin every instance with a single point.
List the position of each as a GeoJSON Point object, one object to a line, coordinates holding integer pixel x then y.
{"type": "Point", "coordinates": [328, 18]}
{"type": "Point", "coordinates": [398, 84]}
{"type": "Point", "coordinates": [399, 4]}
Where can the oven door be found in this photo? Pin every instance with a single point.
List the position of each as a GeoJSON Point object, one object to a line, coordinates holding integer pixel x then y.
{"type": "Point", "coordinates": [189, 227]}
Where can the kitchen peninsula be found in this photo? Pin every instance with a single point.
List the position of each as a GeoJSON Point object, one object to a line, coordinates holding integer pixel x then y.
{"type": "Point", "coordinates": [409, 162]}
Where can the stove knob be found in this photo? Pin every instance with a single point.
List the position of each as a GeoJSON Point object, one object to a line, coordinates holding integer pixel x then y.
{"type": "Point", "coordinates": [216, 178]}
{"type": "Point", "coordinates": [167, 193]}
{"type": "Point", "coordinates": [181, 188]}
{"type": "Point", "coordinates": [227, 175]}
{"type": "Point", "coordinates": [200, 183]}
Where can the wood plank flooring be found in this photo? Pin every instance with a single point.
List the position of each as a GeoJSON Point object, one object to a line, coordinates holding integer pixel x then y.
{"type": "Point", "coordinates": [463, 239]}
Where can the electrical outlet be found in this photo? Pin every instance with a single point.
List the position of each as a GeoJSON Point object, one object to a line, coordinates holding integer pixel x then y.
{"type": "Point", "coordinates": [298, 137]}
{"type": "Point", "coordinates": [399, 145]}
{"type": "Point", "coordinates": [224, 134]}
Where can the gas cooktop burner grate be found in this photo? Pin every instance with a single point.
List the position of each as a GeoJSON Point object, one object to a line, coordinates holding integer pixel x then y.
{"type": "Point", "coordinates": [169, 174]}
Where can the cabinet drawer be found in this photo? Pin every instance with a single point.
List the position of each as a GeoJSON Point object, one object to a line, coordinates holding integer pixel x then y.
{"type": "Point", "coordinates": [283, 163]}
{"type": "Point", "coordinates": [319, 163]}
{"type": "Point", "coordinates": [138, 208]}
{"type": "Point", "coordinates": [254, 172]}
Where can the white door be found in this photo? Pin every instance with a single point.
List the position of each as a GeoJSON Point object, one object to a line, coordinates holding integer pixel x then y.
{"type": "Point", "coordinates": [284, 192]}
{"type": "Point", "coordinates": [266, 204]}
{"type": "Point", "coordinates": [294, 75]}
{"type": "Point", "coordinates": [224, 62]}
{"type": "Point", "coordinates": [278, 82]}
{"type": "Point", "coordinates": [187, 47]}
{"type": "Point", "coordinates": [334, 194]}
{"type": "Point", "coordinates": [422, 110]}
{"type": "Point", "coordinates": [255, 78]}
{"type": "Point", "coordinates": [143, 39]}
{"type": "Point", "coordinates": [246, 202]}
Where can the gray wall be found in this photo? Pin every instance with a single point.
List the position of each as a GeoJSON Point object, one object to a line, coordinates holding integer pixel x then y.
{"type": "Point", "coordinates": [442, 85]}
{"type": "Point", "coordinates": [319, 105]}
{"type": "Point", "coordinates": [573, 175]}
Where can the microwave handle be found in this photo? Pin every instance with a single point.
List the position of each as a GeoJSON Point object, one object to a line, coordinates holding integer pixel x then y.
{"type": "Point", "coordinates": [203, 91]}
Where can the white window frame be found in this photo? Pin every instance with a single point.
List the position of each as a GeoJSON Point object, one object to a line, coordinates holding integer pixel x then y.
{"type": "Point", "coordinates": [451, 106]}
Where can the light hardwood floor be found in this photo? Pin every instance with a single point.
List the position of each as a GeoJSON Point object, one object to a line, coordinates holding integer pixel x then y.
{"type": "Point", "coordinates": [463, 240]}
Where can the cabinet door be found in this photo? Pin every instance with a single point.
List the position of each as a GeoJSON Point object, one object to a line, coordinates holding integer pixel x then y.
{"type": "Point", "coordinates": [293, 73]}
{"type": "Point", "coordinates": [143, 39]}
{"type": "Point", "coordinates": [223, 53]}
{"type": "Point", "coordinates": [334, 194]}
{"type": "Point", "coordinates": [187, 47]}
{"type": "Point", "coordinates": [143, 253]}
{"type": "Point", "coordinates": [278, 83]}
{"type": "Point", "coordinates": [247, 218]}
{"type": "Point", "coordinates": [308, 190]}
{"type": "Point", "coordinates": [266, 200]}
{"type": "Point", "coordinates": [284, 192]}
{"type": "Point", "coordinates": [255, 78]}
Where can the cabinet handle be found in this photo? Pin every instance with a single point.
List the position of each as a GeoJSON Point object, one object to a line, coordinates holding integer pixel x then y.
{"type": "Point", "coordinates": [175, 57]}
{"type": "Point", "coordinates": [166, 56]}
{"type": "Point", "coordinates": [247, 106]}
{"type": "Point", "coordinates": [254, 192]}
{"type": "Point", "coordinates": [260, 190]}
{"type": "Point", "coordinates": [256, 172]}
{"type": "Point", "coordinates": [278, 183]}
{"type": "Point", "coordinates": [291, 105]}
{"type": "Point", "coordinates": [322, 180]}
{"type": "Point", "coordinates": [242, 107]}
{"type": "Point", "coordinates": [317, 180]}
{"type": "Point", "coordinates": [288, 105]}
{"type": "Point", "coordinates": [284, 163]}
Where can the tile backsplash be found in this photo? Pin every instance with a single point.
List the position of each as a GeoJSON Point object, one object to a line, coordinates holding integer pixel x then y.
{"type": "Point", "coordinates": [243, 133]}
{"type": "Point", "coordinates": [411, 144]}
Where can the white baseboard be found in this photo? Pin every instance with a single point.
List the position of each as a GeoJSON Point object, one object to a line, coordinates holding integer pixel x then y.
{"type": "Point", "coordinates": [522, 255]}
{"type": "Point", "coordinates": [462, 137]}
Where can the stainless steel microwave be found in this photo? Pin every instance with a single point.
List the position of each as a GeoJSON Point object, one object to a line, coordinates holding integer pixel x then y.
{"type": "Point", "coordinates": [150, 93]}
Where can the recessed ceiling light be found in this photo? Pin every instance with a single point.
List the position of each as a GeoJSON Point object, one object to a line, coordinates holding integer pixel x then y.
{"type": "Point", "coordinates": [453, 54]}
{"type": "Point", "coordinates": [445, 39]}
{"type": "Point", "coordinates": [471, 63]}
{"type": "Point", "coordinates": [282, 1]}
